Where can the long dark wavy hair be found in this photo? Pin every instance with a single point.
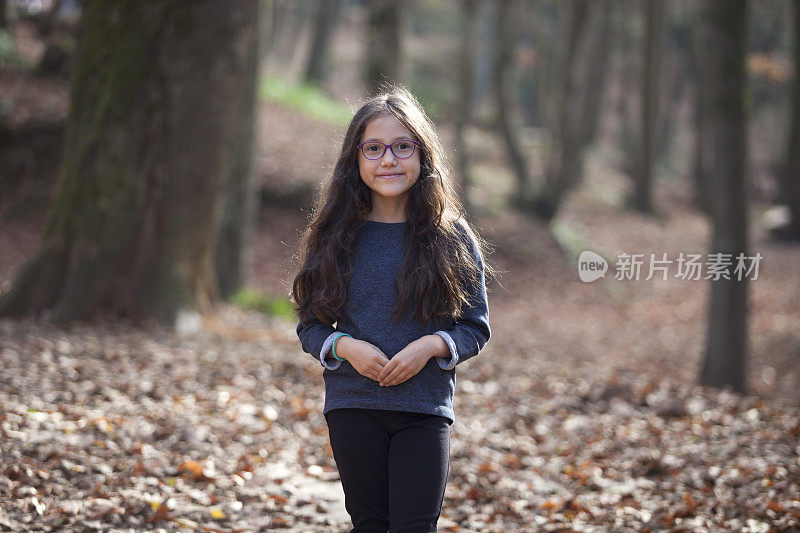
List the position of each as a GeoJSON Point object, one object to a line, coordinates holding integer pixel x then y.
{"type": "Point", "coordinates": [438, 262]}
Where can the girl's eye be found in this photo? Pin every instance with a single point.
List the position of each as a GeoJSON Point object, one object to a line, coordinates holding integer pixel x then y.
{"type": "Point", "coordinates": [371, 148]}
{"type": "Point", "coordinates": [402, 146]}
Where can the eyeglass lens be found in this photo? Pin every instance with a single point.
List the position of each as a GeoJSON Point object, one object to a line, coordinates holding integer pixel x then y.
{"type": "Point", "coordinates": [401, 149]}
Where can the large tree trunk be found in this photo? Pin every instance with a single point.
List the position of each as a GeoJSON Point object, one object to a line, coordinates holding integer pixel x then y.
{"type": "Point", "coordinates": [156, 97]}
{"type": "Point", "coordinates": [641, 199]}
{"type": "Point", "coordinates": [239, 215]}
{"type": "Point", "coordinates": [324, 22]}
{"type": "Point", "coordinates": [793, 174]}
{"type": "Point", "coordinates": [464, 117]}
{"type": "Point", "coordinates": [384, 44]}
{"type": "Point", "coordinates": [727, 333]}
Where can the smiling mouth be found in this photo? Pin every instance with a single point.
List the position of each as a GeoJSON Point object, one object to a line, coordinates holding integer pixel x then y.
{"type": "Point", "coordinates": [395, 175]}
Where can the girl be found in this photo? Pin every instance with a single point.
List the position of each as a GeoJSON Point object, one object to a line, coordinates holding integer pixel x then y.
{"type": "Point", "coordinates": [390, 260]}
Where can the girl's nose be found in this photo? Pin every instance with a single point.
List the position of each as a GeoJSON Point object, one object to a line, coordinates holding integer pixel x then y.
{"type": "Point", "coordinates": [388, 158]}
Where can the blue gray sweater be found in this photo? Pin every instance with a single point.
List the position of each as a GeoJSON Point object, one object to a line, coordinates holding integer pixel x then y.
{"type": "Point", "coordinates": [367, 316]}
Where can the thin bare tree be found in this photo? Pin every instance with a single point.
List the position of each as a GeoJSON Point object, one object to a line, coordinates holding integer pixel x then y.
{"type": "Point", "coordinates": [464, 116]}
{"type": "Point", "coordinates": [641, 198]}
{"type": "Point", "coordinates": [324, 23]}
{"type": "Point", "coordinates": [384, 43]}
{"type": "Point", "coordinates": [793, 174]}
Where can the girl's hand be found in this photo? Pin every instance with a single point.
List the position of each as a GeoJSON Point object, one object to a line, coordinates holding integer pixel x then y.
{"type": "Point", "coordinates": [366, 358]}
{"type": "Point", "coordinates": [411, 359]}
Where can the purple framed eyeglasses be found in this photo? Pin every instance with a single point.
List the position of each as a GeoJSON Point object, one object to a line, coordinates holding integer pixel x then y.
{"type": "Point", "coordinates": [402, 149]}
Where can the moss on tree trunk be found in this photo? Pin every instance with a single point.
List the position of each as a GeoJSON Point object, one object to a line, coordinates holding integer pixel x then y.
{"type": "Point", "coordinates": [155, 97]}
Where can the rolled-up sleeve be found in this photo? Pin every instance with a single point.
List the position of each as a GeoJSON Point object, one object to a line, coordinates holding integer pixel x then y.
{"type": "Point", "coordinates": [470, 333]}
{"type": "Point", "coordinates": [317, 339]}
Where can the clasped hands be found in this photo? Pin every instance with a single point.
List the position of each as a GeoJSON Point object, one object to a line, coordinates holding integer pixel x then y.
{"type": "Point", "coordinates": [370, 361]}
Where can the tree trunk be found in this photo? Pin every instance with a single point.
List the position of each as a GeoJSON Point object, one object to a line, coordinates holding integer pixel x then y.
{"type": "Point", "coordinates": [519, 163]}
{"type": "Point", "coordinates": [156, 96]}
{"type": "Point", "coordinates": [793, 174]}
{"type": "Point", "coordinates": [700, 59]}
{"type": "Point", "coordinates": [484, 67]}
{"type": "Point", "coordinates": [546, 35]}
{"type": "Point", "coordinates": [463, 118]}
{"type": "Point", "coordinates": [585, 114]}
{"type": "Point", "coordinates": [384, 44]}
{"type": "Point", "coordinates": [727, 334]}
{"type": "Point", "coordinates": [267, 26]}
{"type": "Point", "coordinates": [239, 213]}
{"type": "Point", "coordinates": [280, 18]}
{"type": "Point", "coordinates": [595, 69]}
{"type": "Point", "coordinates": [324, 22]}
{"type": "Point", "coordinates": [675, 75]}
{"type": "Point", "coordinates": [564, 149]}
{"type": "Point", "coordinates": [292, 16]}
{"type": "Point", "coordinates": [529, 67]}
{"type": "Point", "coordinates": [629, 138]}
{"type": "Point", "coordinates": [642, 191]}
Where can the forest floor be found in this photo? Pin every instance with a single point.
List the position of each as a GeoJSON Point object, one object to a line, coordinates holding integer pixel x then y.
{"type": "Point", "coordinates": [581, 414]}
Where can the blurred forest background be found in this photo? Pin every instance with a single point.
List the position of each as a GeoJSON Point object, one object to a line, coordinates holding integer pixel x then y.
{"type": "Point", "coordinates": [155, 173]}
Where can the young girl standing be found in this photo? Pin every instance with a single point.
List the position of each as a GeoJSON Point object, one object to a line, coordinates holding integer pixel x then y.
{"type": "Point", "coordinates": [391, 296]}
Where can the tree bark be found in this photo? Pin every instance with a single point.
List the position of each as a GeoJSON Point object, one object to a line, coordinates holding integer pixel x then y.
{"type": "Point", "coordinates": [267, 19]}
{"type": "Point", "coordinates": [642, 191]}
{"type": "Point", "coordinates": [484, 67]}
{"type": "Point", "coordinates": [530, 70]}
{"type": "Point", "coordinates": [725, 42]}
{"type": "Point", "coordinates": [595, 69]}
{"type": "Point", "coordinates": [464, 117]}
{"type": "Point", "coordinates": [793, 174]}
{"type": "Point", "coordinates": [156, 96]}
{"type": "Point", "coordinates": [546, 35]}
{"type": "Point", "coordinates": [701, 167]}
{"type": "Point", "coordinates": [519, 162]}
{"type": "Point", "coordinates": [630, 80]}
{"type": "Point", "coordinates": [291, 19]}
{"type": "Point", "coordinates": [324, 22]}
{"type": "Point", "coordinates": [564, 152]}
{"type": "Point", "coordinates": [384, 44]}
{"type": "Point", "coordinates": [239, 213]}
{"type": "Point", "coordinates": [675, 75]}
{"type": "Point", "coordinates": [3, 14]}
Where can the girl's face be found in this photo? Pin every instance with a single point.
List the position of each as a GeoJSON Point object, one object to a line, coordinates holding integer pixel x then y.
{"type": "Point", "coordinates": [389, 177]}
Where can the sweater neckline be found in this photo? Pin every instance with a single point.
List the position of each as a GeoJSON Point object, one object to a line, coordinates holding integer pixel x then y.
{"type": "Point", "coordinates": [386, 223]}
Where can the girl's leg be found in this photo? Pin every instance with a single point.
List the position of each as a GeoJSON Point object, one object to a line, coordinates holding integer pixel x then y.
{"type": "Point", "coordinates": [360, 448]}
{"type": "Point", "coordinates": [419, 462]}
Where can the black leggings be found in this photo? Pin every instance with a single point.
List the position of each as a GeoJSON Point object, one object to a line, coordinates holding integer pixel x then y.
{"type": "Point", "coordinates": [393, 466]}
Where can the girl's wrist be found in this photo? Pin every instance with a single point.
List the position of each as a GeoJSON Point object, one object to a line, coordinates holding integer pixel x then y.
{"type": "Point", "coordinates": [437, 347]}
{"type": "Point", "coordinates": [342, 344]}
